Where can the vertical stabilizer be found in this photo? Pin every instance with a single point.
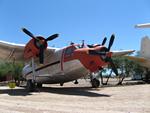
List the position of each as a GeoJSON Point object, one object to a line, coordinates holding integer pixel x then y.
{"type": "Point", "coordinates": [145, 47]}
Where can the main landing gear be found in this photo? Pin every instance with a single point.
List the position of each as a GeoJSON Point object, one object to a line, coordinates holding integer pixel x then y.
{"type": "Point", "coordinates": [95, 83]}
{"type": "Point", "coordinates": [32, 85]}
{"type": "Point", "coordinates": [76, 82]}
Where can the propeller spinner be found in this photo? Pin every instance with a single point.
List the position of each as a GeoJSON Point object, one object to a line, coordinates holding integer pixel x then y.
{"type": "Point", "coordinates": [40, 43]}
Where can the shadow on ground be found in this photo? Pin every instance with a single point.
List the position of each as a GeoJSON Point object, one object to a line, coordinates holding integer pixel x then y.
{"type": "Point", "coordinates": [76, 91]}
{"type": "Point", "coordinates": [15, 92]}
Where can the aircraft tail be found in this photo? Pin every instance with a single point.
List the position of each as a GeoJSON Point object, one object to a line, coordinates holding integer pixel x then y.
{"type": "Point", "coordinates": [145, 47]}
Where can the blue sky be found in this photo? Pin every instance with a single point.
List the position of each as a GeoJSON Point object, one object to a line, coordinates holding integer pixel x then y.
{"type": "Point", "coordinates": [75, 20]}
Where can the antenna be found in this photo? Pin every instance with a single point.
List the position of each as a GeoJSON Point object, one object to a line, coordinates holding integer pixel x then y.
{"type": "Point", "coordinates": [71, 43]}
{"type": "Point", "coordinates": [82, 45]}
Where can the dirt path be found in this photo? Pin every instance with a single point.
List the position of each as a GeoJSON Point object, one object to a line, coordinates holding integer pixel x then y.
{"type": "Point", "coordinates": [76, 99]}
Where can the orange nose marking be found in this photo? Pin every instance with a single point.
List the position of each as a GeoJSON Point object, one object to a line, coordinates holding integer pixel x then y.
{"type": "Point", "coordinates": [92, 62]}
{"type": "Point", "coordinates": [30, 50]}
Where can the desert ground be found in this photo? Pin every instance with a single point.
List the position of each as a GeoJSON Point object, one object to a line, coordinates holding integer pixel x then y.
{"type": "Point", "coordinates": [79, 98]}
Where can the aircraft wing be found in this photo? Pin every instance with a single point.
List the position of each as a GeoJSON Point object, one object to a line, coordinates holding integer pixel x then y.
{"type": "Point", "coordinates": [12, 51]}
{"type": "Point", "coordinates": [121, 53]}
{"type": "Point", "coordinates": [141, 60]}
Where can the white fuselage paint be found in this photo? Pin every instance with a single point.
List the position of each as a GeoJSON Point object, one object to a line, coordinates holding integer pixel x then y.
{"type": "Point", "coordinates": [145, 46]}
{"type": "Point", "coordinates": [56, 71]}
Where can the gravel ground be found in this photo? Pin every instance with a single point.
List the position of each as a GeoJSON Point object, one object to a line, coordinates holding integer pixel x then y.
{"type": "Point", "coordinates": [76, 99]}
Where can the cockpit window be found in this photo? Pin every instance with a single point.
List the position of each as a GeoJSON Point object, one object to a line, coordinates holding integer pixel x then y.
{"type": "Point", "coordinates": [69, 50]}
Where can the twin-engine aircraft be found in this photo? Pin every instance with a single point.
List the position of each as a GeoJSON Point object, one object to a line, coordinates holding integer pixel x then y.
{"type": "Point", "coordinates": [47, 65]}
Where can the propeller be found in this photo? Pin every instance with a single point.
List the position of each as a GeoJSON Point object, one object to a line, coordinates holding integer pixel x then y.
{"type": "Point", "coordinates": [40, 42]}
{"type": "Point", "coordinates": [111, 41]}
{"type": "Point", "coordinates": [104, 51]}
{"type": "Point", "coordinates": [104, 41]}
{"type": "Point", "coordinates": [29, 33]}
{"type": "Point", "coordinates": [41, 54]}
{"type": "Point", "coordinates": [52, 37]}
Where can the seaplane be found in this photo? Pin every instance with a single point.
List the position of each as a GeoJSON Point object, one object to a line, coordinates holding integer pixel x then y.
{"type": "Point", "coordinates": [49, 65]}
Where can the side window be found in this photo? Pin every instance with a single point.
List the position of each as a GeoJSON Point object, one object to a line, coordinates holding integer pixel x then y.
{"type": "Point", "coordinates": [69, 51]}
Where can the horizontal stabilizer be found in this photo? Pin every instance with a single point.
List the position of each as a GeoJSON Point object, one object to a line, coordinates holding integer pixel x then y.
{"type": "Point", "coordinates": [146, 25]}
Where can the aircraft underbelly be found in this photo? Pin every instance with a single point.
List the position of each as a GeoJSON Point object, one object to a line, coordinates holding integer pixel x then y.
{"type": "Point", "coordinates": [72, 70]}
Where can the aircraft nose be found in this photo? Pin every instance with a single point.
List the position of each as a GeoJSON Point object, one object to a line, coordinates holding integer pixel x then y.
{"type": "Point", "coordinates": [92, 62]}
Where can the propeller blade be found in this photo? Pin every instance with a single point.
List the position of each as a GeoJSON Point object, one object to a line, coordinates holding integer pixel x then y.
{"type": "Point", "coordinates": [111, 41]}
{"type": "Point", "coordinates": [104, 41]}
{"type": "Point", "coordinates": [28, 32]}
{"type": "Point", "coordinates": [41, 54]}
{"type": "Point", "coordinates": [52, 37]}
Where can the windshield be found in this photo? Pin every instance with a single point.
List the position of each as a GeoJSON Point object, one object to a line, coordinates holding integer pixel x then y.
{"type": "Point", "coordinates": [70, 50]}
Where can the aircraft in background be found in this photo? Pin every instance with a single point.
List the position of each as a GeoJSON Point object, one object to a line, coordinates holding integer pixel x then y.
{"type": "Point", "coordinates": [144, 54]}
{"type": "Point", "coordinates": [145, 25]}
{"type": "Point", "coordinates": [47, 65]}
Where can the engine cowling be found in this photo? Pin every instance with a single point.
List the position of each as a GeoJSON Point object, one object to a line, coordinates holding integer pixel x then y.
{"type": "Point", "coordinates": [36, 46]}
{"type": "Point", "coordinates": [32, 48]}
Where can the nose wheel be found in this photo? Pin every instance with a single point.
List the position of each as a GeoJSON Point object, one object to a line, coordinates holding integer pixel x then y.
{"type": "Point", "coordinates": [95, 83]}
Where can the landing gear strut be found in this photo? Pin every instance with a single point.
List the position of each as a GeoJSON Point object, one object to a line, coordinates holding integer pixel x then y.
{"type": "Point", "coordinates": [30, 85]}
{"type": "Point", "coordinates": [95, 83]}
{"type": "Point", "coordinates": [31, 82]}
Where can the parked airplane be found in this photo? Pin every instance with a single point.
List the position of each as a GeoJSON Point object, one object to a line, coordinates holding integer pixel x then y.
{"type": "Point", "coordinates": [47, 65]}
{"type": "Point", "coordinates": [144, 58]}
{"type": "Point", "coordinates": [144, 54]}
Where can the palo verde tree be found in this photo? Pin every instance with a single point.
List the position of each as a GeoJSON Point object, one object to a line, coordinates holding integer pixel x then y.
{"type": "Point", "coordinates": [14, 70]}
{"type": "Point", "coordinates": [127, 68]}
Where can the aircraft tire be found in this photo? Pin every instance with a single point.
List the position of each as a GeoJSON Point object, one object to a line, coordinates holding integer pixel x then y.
{"type": "Point", "coordinates": [30, 86]}
{"type": "Point", "coordinates": [76, 82]}
{"type": "Point", "coordinates": [61, 84]}
{"type": "Point", "coordinates": [95, 83]}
